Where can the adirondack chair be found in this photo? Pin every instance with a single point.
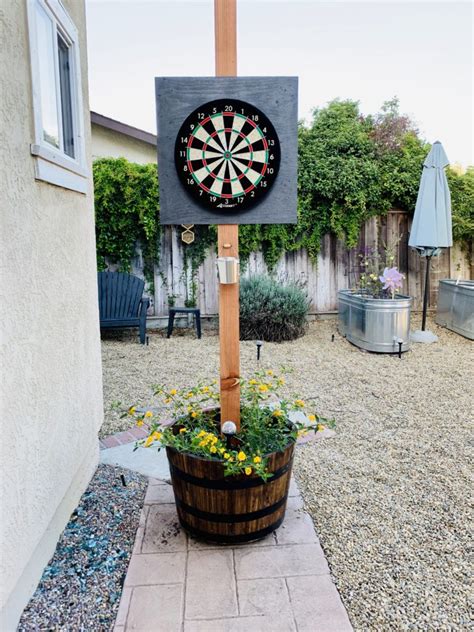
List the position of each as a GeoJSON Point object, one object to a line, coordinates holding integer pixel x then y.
{"type": "Point", "coordinates": [121, 303]}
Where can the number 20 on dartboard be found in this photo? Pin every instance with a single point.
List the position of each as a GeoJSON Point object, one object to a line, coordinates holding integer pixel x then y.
{"type": "Point", "coordinates": [227, 155]}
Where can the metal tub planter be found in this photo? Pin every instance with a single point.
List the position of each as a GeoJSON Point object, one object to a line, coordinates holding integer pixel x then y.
{"type": "Point", "coordinates": [456, 306]}
{"type": "Point", "coordinates": [375, 324]}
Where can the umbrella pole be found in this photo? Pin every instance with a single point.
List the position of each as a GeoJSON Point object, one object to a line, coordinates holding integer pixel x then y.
{"type": "Point", "coordinates": [427, 292]}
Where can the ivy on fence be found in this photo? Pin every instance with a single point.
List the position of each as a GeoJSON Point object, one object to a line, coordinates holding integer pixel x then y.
{"type": "Point", "coordinates": [350, 167]}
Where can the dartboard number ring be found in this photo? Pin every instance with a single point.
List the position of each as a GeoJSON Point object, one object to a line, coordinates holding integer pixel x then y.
{"type": "Point", "coordinates": [227, 155]}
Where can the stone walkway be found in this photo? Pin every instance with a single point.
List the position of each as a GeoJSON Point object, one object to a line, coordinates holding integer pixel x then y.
{"type": "Point", "coordinates": [175, 583]}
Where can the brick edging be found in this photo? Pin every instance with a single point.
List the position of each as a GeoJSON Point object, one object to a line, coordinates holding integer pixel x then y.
{"type": "Point", "coordinates": [126, 436]}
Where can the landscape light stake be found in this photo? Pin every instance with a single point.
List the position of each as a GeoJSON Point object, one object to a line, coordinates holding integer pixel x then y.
{"type": "Point", "coordinates": [225, 18]}
{"type": "Point", "coordinates": [259, 344]}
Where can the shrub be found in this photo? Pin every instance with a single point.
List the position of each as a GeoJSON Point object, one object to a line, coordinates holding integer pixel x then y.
{"type": "Point", "coordinates": [271, 311]}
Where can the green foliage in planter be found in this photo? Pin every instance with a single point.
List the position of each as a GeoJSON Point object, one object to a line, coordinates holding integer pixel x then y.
{"type": "Point", "coordinates": [126, 212]}
{"type": "Point", "coordinates": [270, 310]}
{"type": "Point", "coordinates": [265, 424]}
{"type": "Point", "coordinates": [462, 198]}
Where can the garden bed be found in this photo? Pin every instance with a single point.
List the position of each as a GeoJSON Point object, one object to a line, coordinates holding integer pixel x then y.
{"type": "Point", "coordinates": [81, 587]}
{"type": "Point", "coordinates": [388, 494]}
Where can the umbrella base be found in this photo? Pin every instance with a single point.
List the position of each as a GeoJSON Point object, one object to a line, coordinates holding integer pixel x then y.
{"type": "Point", "coordinates": [426, 337]}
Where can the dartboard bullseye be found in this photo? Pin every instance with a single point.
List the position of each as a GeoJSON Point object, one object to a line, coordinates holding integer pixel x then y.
{"type": "Point", "coordinates": [227, 155]}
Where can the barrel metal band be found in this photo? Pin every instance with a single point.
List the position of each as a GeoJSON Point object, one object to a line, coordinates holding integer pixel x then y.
{"type": "Point", "coordinates": [227, 484]}
{"type": "Point", "coordinates": [240, 517]}
{"type": "Point", "coordinates": [241, 537]}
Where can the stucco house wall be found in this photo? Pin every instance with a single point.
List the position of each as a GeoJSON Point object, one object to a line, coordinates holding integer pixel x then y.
{"type": "Point", "coordinates": [51, 390]}
{"type": "Point", "coordinates": [107, 143]}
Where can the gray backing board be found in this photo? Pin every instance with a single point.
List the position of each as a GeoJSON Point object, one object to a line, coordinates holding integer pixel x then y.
{"type": "Point", "coordinates": [277, 97]}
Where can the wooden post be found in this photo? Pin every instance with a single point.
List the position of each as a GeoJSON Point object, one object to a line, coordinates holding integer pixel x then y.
{"type": "Point", "coordinates": [225, 24]}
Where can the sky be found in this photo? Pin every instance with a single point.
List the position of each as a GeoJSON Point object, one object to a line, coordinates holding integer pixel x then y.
{"type": "Point", "coordinates": [421, 52]}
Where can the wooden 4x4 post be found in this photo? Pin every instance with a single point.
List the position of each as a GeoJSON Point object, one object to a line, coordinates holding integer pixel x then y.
{"type": "Point", "coordinates": [228, 235]}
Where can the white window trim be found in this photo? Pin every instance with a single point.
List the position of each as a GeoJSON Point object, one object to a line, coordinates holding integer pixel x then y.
{"type": "Point", "coordinates": [51, 164]}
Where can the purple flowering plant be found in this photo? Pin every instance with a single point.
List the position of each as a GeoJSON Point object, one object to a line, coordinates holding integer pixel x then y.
{"type": "Point", "coordinates": [377, 276]}
{"type": "Point", "coordinates": [392, 280]}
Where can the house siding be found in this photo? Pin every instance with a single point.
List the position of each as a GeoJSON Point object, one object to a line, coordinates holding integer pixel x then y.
{"type": "Point", "coordinates": [107, 143]}
{"type": "Point", "coordinates": [51, 391]}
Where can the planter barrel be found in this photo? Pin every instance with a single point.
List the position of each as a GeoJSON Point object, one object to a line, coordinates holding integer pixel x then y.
{"type": "Point", "coordinates": [375, 324]}
{"type": "Point", "coordinates": [229, 509]}
{"type": "Point", "coordinates": [456, 306]}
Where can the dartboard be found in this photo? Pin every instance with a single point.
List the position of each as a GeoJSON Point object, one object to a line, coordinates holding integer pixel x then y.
{"type": "Point", "coordinates": [227, 155]}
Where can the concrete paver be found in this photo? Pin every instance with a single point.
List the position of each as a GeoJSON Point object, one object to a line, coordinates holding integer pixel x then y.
{"type": "Point", "coordinates": [156, 568]}
{"type": "Point", "coordinates": [210, 585]}
{"type": "Point", "coordinates": [156, 609]}
{"type": "Point", "coordinates": [317, 605]}
{"type": "Point", "coordinates": [280, 561]}
{"type": "Point", "coordinates": [263, 596]}
{"type": "Point", "coordinates": [176, 583]}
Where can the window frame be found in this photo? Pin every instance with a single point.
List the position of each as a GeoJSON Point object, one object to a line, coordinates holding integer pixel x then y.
{"type": "Point", "coordinates": [53, 165]}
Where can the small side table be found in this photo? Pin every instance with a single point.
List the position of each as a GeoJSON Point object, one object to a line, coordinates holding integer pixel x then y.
{"type": "Point", "coordinates": [184, 310]}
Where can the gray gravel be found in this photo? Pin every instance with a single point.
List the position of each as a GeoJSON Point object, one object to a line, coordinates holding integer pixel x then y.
{"type": "Point", "coordinates": [81, 587]}
{"type": "Point", "coordinates": [390, 493]}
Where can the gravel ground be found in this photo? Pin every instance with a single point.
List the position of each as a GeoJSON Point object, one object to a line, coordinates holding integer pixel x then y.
{"type": "Point", "coordinates": [81, 586]}
{"type": "Point", "coordinates": [390, 493]}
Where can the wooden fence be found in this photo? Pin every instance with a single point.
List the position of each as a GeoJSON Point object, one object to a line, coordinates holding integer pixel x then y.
{"type": "Point", "coordinates": [337, 267]}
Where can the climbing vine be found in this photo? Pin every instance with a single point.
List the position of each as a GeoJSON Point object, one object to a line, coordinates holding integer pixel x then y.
{"type": "Point", "coordinates": [126, 212]}
{"type": "Point", "coordinates": [350, 167]}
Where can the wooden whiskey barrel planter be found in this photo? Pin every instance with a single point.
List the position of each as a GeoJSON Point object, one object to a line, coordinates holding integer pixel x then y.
{"type": "Point", "coordinates": [229, 509]}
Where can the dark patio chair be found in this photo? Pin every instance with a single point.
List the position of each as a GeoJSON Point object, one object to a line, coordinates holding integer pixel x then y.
{"type": "Point", "coordinates": [121, 302]}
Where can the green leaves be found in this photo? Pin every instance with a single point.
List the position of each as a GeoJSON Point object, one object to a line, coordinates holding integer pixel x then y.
{"type": "Point", "coordinates": [462, 198]}
{"type": "Point", "coordinates": [350, 167]}
{"type": "Point", "coordinates": [126, 211]}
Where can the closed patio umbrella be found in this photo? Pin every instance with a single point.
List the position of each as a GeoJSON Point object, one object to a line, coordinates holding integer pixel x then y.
{"type": "Point", "coordinates": [431, 229]}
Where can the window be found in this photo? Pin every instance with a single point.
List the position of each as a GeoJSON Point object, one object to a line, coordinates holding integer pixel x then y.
{"type": "Point", "coordinates": [57, 96]}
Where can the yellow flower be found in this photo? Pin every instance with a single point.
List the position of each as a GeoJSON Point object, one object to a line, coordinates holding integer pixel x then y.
{"type": "Point", "coordinates": [213, 439]}
{"type": "Point", "coordinates": [167, 400]}
{"type": "Point", "coordinates": [302, 433]}
{"type": "Point", "coordinates": [263, 388]}
{"type": "Point", "coordinates": [205, 389]}
{"type": "Point", "coordinates": [190, 409]}
{"type": "Point", "coordinates": [148, 413]}
{"type": "Point", "coordinates": [181, 430]}
{"type": "Point", "coordinates": [131, 410]}
{"type": "Point", "coordinates": [269, 372]}
{"type": "Point", "coordinates": [202, 443]}
{"type": "Point", "coordinates": [241, 456]}
{"type": "Point", "coordinates": [312, 418]}
{"type": "Point", "coordinates": [281, 381]}
{"type": "Point", "coordinates": [194, 414]}
{"type": "Point", "coordinates": [257, 459]}
{"type": "Point", "coordinates": [321, 427]}
{"type": "Point", "coordinates": [140, 422]}
{"type": "Point", "coordinates": [155, 436]}
{"type": "Point", "coordinates": [173, 391]}
{"type": "Point", "coordinates": [252, 382]}
{"type": "Point", "coordinates": [299, 402]}
{"type": "Point", "coordinates": [231, 460]}
{"type": "Point", "coordinates": [248, 471]}
{"type": "Point", "coordinates": [226, 455]}
{"type": "Point", "coordinates": [277, 412]}
{"type": "Point", "coordinates": [222, 450]}
{"type": "Point", "coordinates": [213, 449]}
{"type": "Point", "coordinates": [202, 434]}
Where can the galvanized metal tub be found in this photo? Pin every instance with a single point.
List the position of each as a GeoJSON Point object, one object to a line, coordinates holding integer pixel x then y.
{"type": "Point", "coordinates": [456, 306]}
{"type": "Point", "coordinates": [375, 324]}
